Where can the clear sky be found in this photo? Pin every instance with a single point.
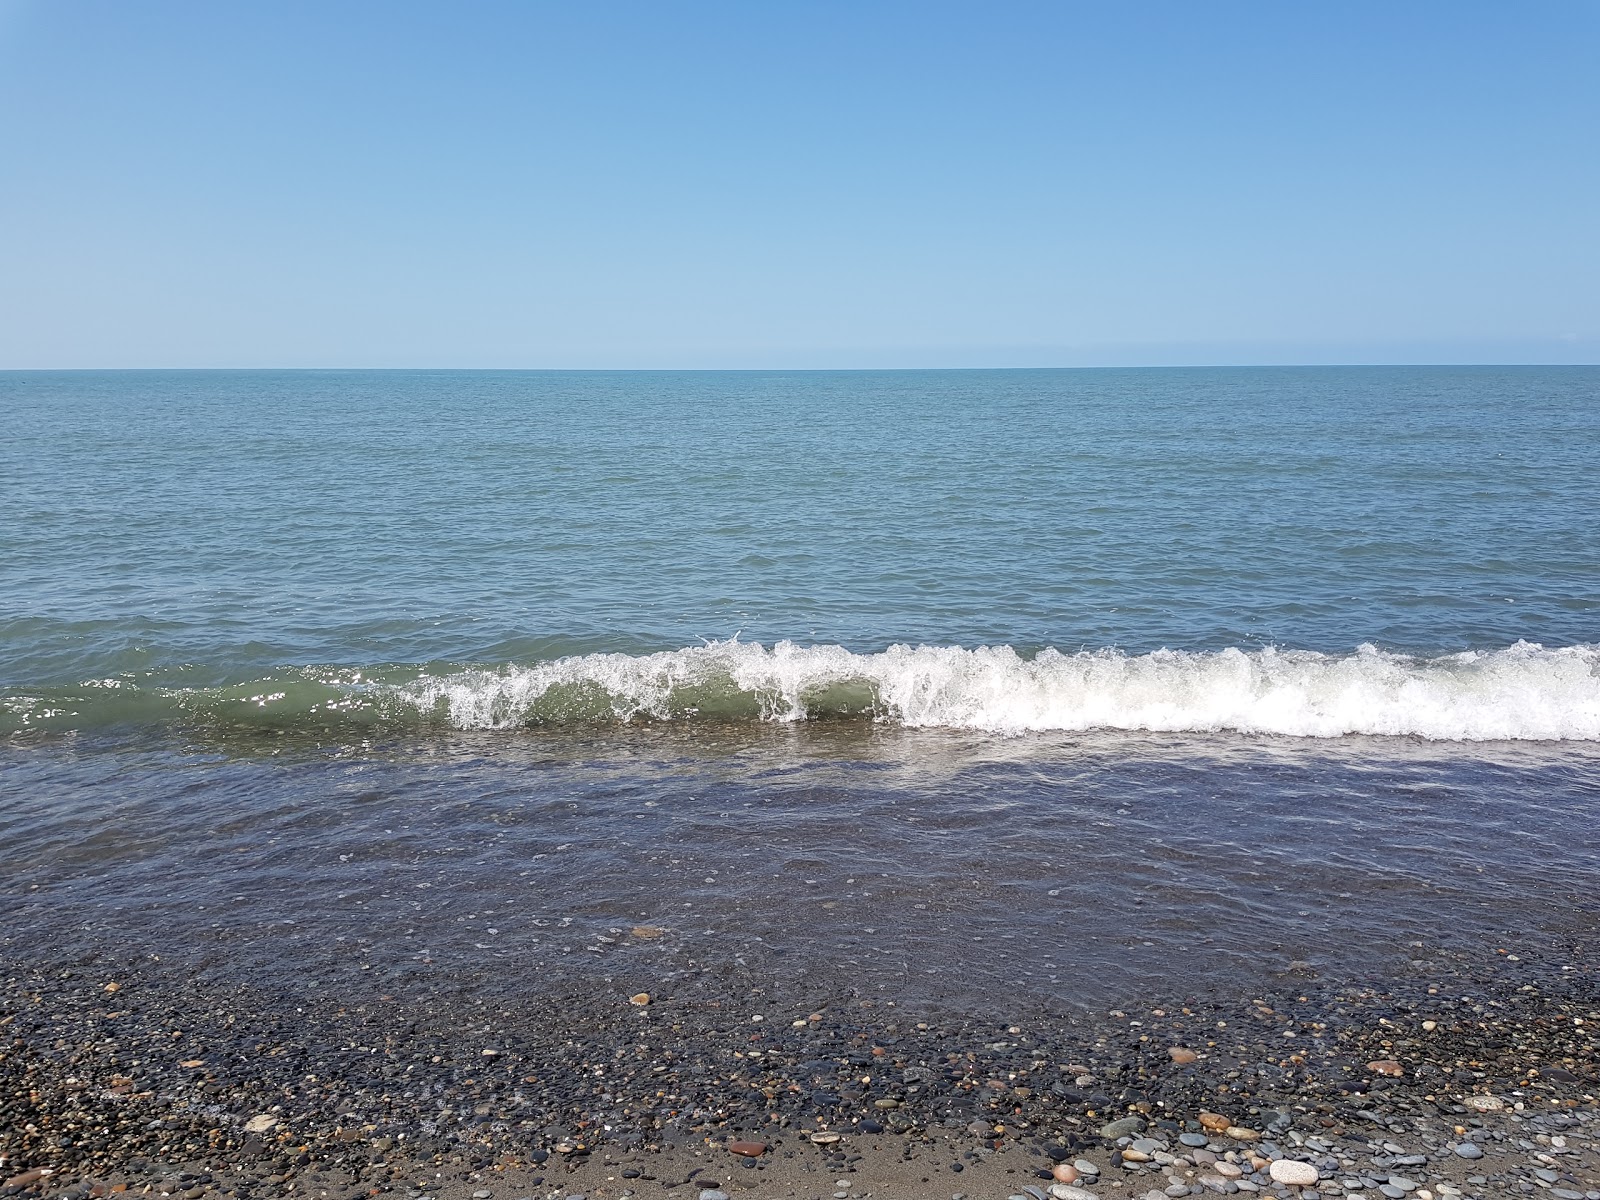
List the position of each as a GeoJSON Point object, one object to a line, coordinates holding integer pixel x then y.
{"type": "Point", "coordinates": [756, 183]}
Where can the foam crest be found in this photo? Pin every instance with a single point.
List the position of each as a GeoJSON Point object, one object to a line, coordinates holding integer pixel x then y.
{"type": "Point", "coordinates": [1520, 692]}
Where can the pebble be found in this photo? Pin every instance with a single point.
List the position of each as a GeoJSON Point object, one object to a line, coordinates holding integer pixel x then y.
{"type": "Point", "coordinates": [712, 1194]}
{"type": "Point", "coordinates": [260, 1123]}
{"type": "Point", "coordinates": [1468, 1150]}
{"type": "Point", "coordinates": [1064, 1173]}
{"type": "Point", "coordinates": [1065, 1191]}
{"type": "Point", "coordinates": [1293, 1173]}
{"type": "Point", "coordinates": [747, 1149]}
{"type": "Point", "coordinates": [1125, 1127]}
{"type": "Point", "coordinates": [1195, 1140]}
{"type": "Point", "coordinates": [1182, 1055]}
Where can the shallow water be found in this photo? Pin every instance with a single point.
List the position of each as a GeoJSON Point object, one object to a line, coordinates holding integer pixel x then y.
{"type": "Point", "coordinates": [1062, 686]}
{"type": "Point", "coordinates": [817, 860]}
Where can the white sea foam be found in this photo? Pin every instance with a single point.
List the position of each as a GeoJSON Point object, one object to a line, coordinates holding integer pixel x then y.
{"type": "Point", "coordinates": [1521, 692]}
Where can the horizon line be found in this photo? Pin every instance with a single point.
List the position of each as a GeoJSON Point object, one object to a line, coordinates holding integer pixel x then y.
{"type": "Point", "coordinates": [1198, 366]}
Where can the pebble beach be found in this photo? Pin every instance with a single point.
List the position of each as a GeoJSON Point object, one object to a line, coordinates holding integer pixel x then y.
{"type": "Point", "coordinates": [1480, 1084]}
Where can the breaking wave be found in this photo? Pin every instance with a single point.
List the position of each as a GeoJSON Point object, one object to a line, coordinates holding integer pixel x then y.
{"type": "Point", "coordinates": [1523, 691]}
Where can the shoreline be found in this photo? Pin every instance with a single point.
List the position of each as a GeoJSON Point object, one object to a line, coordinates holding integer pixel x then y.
{"type": "Point", "coordinates": [155, 1079]}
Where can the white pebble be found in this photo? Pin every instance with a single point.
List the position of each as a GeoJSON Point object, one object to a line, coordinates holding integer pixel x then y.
{"type": "Point", "coordinates": [1295, 1174]}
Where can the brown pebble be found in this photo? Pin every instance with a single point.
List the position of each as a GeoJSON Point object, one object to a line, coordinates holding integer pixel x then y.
{"type": "Point", "coordinates": [1214, 1122]}
{"type": "Point", "coordinates": [1386, 1066]}
{"type": "Point", "coordinates": [748, 1149]}
{"type": "Point", "coordinates": [113, 987]}
{"type": "Point", "coordinates": [1182, 1055]}
{"type": "Point", "coordinates": [1064, 1172]}
{"type": "Point", "coordinates": [639, 998]}
{"type": "Point", "coordinates": [647, 932]}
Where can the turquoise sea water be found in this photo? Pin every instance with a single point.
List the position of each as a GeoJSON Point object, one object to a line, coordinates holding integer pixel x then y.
{"type": "Point", "coordinates": [1071, 684]}
{"type": "Point", "coordinates": [447, 546]}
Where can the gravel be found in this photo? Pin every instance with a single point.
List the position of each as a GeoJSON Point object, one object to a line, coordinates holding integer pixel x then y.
{"type": "Point", "coordinates": [186, 1085]}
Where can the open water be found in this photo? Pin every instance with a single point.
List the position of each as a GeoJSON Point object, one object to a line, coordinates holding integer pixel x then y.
{"type": "Point", "coordinates": [1069, 683]}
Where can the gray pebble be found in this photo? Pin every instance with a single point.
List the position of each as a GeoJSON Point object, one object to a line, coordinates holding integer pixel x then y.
{"type": "Point", "coordinates": [1468, 1150]}
{"type": "Point", "coordinates": [1125, 1127]}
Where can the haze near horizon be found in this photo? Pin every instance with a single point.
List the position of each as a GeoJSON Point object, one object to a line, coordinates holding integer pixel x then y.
{"type": "Point", "coordinates": [828, 185]}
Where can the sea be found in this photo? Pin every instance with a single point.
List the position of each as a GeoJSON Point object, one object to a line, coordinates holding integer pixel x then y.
{"type": "Point", "coordinates": [1062, 686]}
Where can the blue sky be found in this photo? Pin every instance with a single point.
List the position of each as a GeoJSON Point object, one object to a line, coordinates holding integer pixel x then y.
{"type": "Point", "coordinates": [810, 184]}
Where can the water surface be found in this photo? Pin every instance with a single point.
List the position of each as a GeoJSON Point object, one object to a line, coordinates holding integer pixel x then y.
{"type": "Point", "coordinates": [1062, 684]}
